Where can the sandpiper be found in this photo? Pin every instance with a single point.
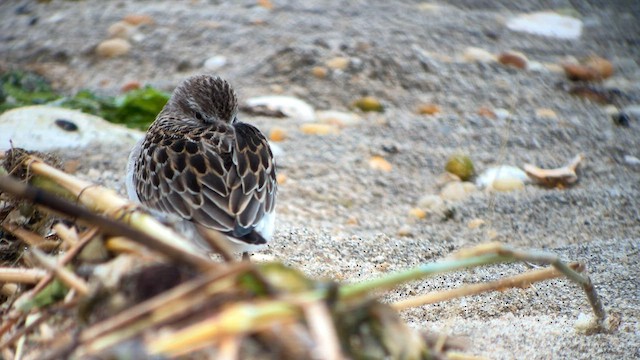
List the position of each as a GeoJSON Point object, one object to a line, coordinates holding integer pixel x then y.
{"type": "Point", "coordinates": [200, 165]}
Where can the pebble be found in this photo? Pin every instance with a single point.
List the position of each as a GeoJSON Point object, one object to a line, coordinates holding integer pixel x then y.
{"type": "Point", "coordinates": [369, 103]}
{"type": "Point", "coordinates": [631, 160]}
{"type": "Point", "coordinates": [405, 231]}
{"type": "Point", "coordinates": [502, 114]}
{"type": "Point", "coordinates": [277, 134]}
{"type": "Point", "coordinates": [380, 163]}
{"type": "Point", "coordinates": [431, 203]}
{"type": "Point", "coordinates": [113, 48]}
{"type": "Point", "coordinates": [120, 29]}
{"type": "Point", "coordinates": [546, 113]}
{"type": "Point", "coordinates": [428, 109]}
{"type": "Point", "coordinates": [474, 54]}
{"type": "Point", "coordinates": [281, 178]}
{"type": "Point", "coordinates": [593, 68]}
{"type": "Point", "coordinates": [547, 23]}
{"type": "Point", "coordinates": [138, 19]}
{"type": "Point", "coordinates": [319, 129]}
{"type": "Point", "coordinates": [507, 184]}
{"type": "Point", "coordinates": [338, 118]}
{"type": "Point", "coordinates": [461, 166]}
{"type": "Point", "coordinates": [417, 213]}
{"type": "Point", "coordinates": [319, 72]}
{"type": "Point", "coordinates": [289, 106]}
{"type": "Point", "coordinates": [475, 223]}
{"type": "Point", "coordinates": [505, 175]}
{"type": "Point", "coordinates": [457, 190]}
{"type": "Point", "coordinates": [514, 59]}
{"type": "Point", "coordinates": [215, 62]}
{"type": "Point", "coordinates": [486, 112]}
{"type": "Point", "coordinates": [338, 63]}
{"type": "Point", "coordinates": [633, 111]}
{"type": "Point", "coordinates": [130, 85]}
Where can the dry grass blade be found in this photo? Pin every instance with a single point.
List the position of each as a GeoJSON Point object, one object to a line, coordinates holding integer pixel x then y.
{"type": "Point", "coordinates": [517, 281]}
{"type": "Point", "coordinates": [21, 275]}
{"type": "Point", "coordinates": [67, 277]}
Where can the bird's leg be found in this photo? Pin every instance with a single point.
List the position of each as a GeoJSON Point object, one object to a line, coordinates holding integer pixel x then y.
{"type": "Point", "coordinates": [246, 256]}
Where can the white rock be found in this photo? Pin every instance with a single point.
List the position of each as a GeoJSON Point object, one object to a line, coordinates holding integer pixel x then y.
{"type": "Point", "coordinates": [35, 128]}
{"type": "Point", "coordinates": [631, 160]}
{"type": "Point", "coordinates": [215, 62]}
{"type": "Point", "coordinates": [501, 114]}
{"type": "Point", "coordinates": [503, 174]}
{"type": "Point", "coordinates": [474, 54]}
{"type": "Point", "coordinates": [338, 118]}
{"type": "Point", "coordinates": [457, 190]}
{"type": "Point", "coordinates": [548, 24]}
{"type": "Point", "coordinates": [288, 105]}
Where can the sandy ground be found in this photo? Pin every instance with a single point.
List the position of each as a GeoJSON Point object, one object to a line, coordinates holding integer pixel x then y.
{"type": "Point", "coordinates": [340, 219]}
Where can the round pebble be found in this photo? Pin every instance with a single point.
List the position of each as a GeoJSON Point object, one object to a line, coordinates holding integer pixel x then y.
{"type": "Point", "coordinates": [215, 62]}
{"type": "Point", "coordinates": [113, 48]}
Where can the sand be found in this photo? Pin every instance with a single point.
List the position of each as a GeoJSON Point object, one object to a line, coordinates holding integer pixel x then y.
{"type": "Point", "coordinates": [340, 219]}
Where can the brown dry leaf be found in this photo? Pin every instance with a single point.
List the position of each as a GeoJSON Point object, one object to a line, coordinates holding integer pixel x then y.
{"type": "Point", "coordinates": [559, 177]}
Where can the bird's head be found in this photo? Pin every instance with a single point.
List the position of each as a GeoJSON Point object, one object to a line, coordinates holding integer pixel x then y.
{"type": "Point", "coordinates": [205, 99]}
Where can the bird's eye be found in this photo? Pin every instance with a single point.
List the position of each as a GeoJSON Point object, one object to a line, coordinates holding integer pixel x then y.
{"type": "Point", "coordinates": [199, 116]}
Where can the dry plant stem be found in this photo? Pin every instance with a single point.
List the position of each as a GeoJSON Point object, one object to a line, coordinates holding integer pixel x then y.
{"type": "Point", "coordinates": [69, 236]}
{"type": "Point", "coordinates": [323, 330]}
{"type": "Point", "coordinates": [145, 312]}
{"type": "Point", "coordinates": [30, 325]}
{"type": "Point", "coordinates": [66, 258]}
{"type": "Point", "coordinates": [30, 238]}
{"type": "Point", "coordinates": [67, 277]}
{"type": "Point", "coordinates": [144, 228]}
{"type": "Point", "coordinates": [24, 276]}
{"type": "Point", "coordinates": [236, 319]}
{"type": "Point", "coordinates": [484, 254]}
{"type": "Point", "coordinates": [520, 281]}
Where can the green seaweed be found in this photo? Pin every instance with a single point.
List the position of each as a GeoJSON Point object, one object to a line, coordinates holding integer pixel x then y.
{"type": "Point", "coordinates": [135, 109]}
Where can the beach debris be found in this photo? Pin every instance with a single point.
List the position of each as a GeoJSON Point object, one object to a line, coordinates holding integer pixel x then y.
{"type": "Point", "coordinates": [280, 106]}
{"type": "Point", "coordinates": [593, 68]}
{"type": "Point", "coordinates": [560, 177]}
{"type": "Point", "coordinates": [547, 23]}
{"type": "Point", "coordinates": [502, 178]}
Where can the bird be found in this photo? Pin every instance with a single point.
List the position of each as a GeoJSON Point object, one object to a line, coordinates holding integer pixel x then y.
{"type": "Point", "coordinates": [200, 166]}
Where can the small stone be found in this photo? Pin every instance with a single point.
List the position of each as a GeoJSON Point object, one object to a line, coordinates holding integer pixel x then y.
{"type": "Point", "coordinates": [507, 184]}
{"type": "Point", "coordinates": [631, 160]}
{"type": "Point", "coordinates": [486, 112]}
{"type": "Point", "coordinates": [267, 4]}
{"type": "Point", "coordinates": [405, 231]}
{"type": "Point", "coordinates": [338, 63]}
{"type": "Point", "coordinates": [457, 191]}
{"type": "Point", "coordinates": [474, 54]}
{"type": "Point", "coordinates": [369, 103]}
{"type": "Point", "coordinates": [319, 72]}
{"type": "Point", "coordinates": [633, 111]}
{"type": "Point", "coordinates": [621, 119]}
{"type": "Point", "coordinates": [281, 178]}
{"type": "Point", "coordinates": [277, 134]}
{"type": "Point", "coordinates": [380, 163]}
{"type": "Point", "coordinates": [71, 166]}
{"type": "Point", "coordinates": [489, 176]}
{"type": "Point", "coordinates": [428, 109]}
{"type": "Point", "coordinates": [417, 213]}
{"type": "Point", "coordinates": [215, 62]}
{"type": "Point", "coordinates": [475, 223]}
{"type": "Point", "coordinates": [431, 203]}
{"type": "Point", "coordinates": [353, 221]}
{"type": "Point", "coordinates": [130, 85]}
{"type": "Point", "coordinates": [594, 68]}
{"type": "Point", "coordinates": [120, 29]}
{"type": "Point", "coordinates": [319, 129]}
{"type": "Point", "coordinates": [113, 48]}
{"type": "Point", "coordinates": [502, 114]}
{"type": "Point", "coordinates": [338, 118]}
{"type": "Point", "coordinates": [138, 19]}
{"type": "Point", "coordinates": [461, 166]}
{"type": "Point", "coordinates": [514, 59]}
{"type": "Point", "coordinates": [546, 113]}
